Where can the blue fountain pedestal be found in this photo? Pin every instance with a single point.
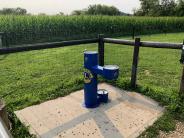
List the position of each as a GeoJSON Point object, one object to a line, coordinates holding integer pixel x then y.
{"type": "Point", "coordinates": [93, 97]}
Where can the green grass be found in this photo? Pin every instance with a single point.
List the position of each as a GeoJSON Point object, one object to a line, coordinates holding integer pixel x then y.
{"type": "Point", "coordinates": [33, 77]}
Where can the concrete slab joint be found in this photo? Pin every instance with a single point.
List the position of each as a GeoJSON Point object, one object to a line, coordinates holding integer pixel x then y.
{"type": "Point", "coordinates": [127, 115]}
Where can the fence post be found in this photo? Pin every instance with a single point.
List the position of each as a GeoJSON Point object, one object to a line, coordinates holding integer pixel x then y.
{"type": "Point", "coordinates": [135, 62]}
{"type": "Point", "coordinates": [5, 39]}
{"type": "Point", "coordinates": [181, 92]}
{"type": "Point", "coordinates": [133, 32]}
{"type": "Point", "coordinates": [101, 49]}
{"type": "Point", "coordinates": [4, 115]}
{"type": "Point", "coordinates": [1, 39]}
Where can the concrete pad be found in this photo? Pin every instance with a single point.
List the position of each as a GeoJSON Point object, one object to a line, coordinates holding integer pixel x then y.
{"type": "Point", "coordinates": [125, 116]}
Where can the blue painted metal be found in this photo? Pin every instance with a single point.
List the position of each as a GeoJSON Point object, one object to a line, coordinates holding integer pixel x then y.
{"type": "Point", "coordinates": [90, 59]}
{"type": "Point", "coordinates": [111, 72]}
{"type": "Point", "coordinates": [91, 97]}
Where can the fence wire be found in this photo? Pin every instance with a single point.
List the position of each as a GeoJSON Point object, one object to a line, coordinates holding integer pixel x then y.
{"type": "Point", "coordinates": [34, 29]}
{"type": "Point", "coordinates": [121, 56]}
{"type": "Point", "coordinates": [158, 69]}
{"type": "Point", "coordinates": [31, 77]}
{"type": "Point", "coordinates": [31, 36]}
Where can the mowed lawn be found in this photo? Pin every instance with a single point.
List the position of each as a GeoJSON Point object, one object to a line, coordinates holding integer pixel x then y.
{"type": "Point", "coordinates": [32, 77]}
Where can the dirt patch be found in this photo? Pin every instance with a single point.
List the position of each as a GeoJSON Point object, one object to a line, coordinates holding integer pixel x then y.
{"type": "Point", "coordinates": [147, 72]}
{"type": "Point", "coordinates": [178, 133]}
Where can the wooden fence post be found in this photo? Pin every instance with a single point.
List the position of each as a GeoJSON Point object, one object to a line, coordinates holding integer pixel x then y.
{"type": "Point", "coordinates": [135, 62]}
{"type": "Point", "coordinates": [3, 114]}
{"type": "Point", "coordinates": [181, 92]}
{"type": "Point", "coordinates": [101, 49]}
{"type": "Point", "coordinates": [133, 32]}
{"type": "Point", "coordinates": [1, 40]}
{"type": "Point", "coordinates": [5, 39]}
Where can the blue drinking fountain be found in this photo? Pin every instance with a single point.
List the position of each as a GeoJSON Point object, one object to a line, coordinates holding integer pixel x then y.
{"type": "Point", "coordinates": [92, 96]}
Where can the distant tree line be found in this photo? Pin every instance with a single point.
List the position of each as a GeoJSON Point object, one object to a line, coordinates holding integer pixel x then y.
{"type": "Point", "coordinates": [91, 10]}
{"type": "Point", "coordinates": [148, 8]}
{"type": "Point", "coordinates": [160, 8]}
{"type": "Point", "coordinates": [100, 10]}
{"type": "Point", "coordinates": [13, 11]}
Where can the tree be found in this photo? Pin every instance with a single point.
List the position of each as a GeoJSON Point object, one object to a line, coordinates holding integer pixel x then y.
{"type": "Point", "coordinates": [99, 10]}
{"type": "Point", "coordinates": [102, 10]}
{"type": "Point", "coordinates": [157, 8]}
{"type": "Point", "coordinates": [61, 13]}
{"type": "Point", "coordinates": [13, 11]}
{"type": "Point", "coordinates": [20, 11]}
{"type": "Point", "coordinates": [168, 8]}
{"type": "Point", "coordinates": [180, 8]}
{"type": "Point", "coordinates": [147, 7]}
{"type": "Point", "coordinates": [78, 12]}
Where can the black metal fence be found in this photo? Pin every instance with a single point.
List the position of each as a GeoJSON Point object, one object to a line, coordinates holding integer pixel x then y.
{"type": "Point", "coordinates": [12, 39]}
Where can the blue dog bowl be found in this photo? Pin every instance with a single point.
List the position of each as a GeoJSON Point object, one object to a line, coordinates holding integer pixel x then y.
{"type": "Point", "coordinates": [102, 96]}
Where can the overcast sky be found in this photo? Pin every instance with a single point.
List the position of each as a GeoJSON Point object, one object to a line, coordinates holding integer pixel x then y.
{"type": "Point", "coordinates": [66, 6]}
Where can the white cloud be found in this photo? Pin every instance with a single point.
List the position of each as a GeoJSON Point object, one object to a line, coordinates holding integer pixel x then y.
{"type": "Point", "coordinates": [66, 6]}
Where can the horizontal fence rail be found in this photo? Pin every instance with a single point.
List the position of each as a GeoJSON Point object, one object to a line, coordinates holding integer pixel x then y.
{"type": "Point", "coordinates": [101, 43]}
{"type": "Point", "coordinates": [145, 43]}
{"type": "Point", "coordinates": [119, 41]}
{"type": "Point", "coordinates": [161, 45]}
{"type": "Point", "coordinates": [40, 46]}
{"type": "Point", "coordinates": [137, 44]}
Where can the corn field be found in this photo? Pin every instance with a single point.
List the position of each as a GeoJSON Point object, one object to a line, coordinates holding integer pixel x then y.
{"type": "Point", "coordinates": [33, 29]}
